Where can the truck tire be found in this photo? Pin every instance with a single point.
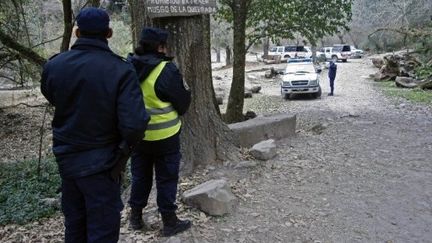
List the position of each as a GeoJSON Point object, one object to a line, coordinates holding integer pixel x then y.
{"type": "Point", "coordinates": [344, 60]}
{"type": "Point", "coordinates": [287, 96]}
{"type": "Point", "coordinates": [334, 58]}
{"type": "Point", "coordinates": [317, 94]}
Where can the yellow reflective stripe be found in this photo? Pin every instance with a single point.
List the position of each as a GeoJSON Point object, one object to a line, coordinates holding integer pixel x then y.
{"type": "Point", "coordinates": [160, 111]}
{"type": "Point", "coordinates": [163, 125]}
{"type": "Point", "coordinates": [155, 135]}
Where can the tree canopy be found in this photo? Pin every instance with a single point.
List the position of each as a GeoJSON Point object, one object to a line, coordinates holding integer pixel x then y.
{"type": "Point", "coordinates": [280, 19]}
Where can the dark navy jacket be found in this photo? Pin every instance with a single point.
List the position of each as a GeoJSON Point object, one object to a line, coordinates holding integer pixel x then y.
{"type": "Point", "coordinates": [98, 103]}
{"type": "Point", "coordinates": [169, 87]}
{"type": "Point", "coordinates": [332, 70]}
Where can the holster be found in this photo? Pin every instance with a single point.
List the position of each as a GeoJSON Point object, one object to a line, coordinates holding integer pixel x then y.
{"type": "Point", "coordinates": [121, 157]}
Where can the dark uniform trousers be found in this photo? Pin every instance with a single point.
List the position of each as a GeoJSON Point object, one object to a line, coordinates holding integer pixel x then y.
{"type": "Point", "coordinates": [332, 85]}
{"type": "Point", "coordinates": [91, 203]}
{"type": "Point", "coordinates": [166, 168]}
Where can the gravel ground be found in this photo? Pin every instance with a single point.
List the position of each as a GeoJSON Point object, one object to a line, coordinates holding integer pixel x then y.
{"type": "Point", "coordinates": [358, 170]}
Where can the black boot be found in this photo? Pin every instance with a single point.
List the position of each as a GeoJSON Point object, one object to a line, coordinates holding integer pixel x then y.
{"type": "Point", "coordinates": [136, 222]}
{"type": "Point", "coordinates": [172, 225]}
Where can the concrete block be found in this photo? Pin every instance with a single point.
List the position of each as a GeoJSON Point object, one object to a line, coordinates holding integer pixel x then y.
{"type": "Point", "coordinates": [259, 129]}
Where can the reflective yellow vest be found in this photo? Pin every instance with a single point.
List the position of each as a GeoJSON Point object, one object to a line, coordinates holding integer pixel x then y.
{"type": "Point", "coordinates": [164, 120]}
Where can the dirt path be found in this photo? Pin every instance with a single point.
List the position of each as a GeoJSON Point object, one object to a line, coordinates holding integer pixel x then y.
{"type": "Point", "coordinates": [366, 178]}
{"type": "Point", "coordinates": [363, 174]}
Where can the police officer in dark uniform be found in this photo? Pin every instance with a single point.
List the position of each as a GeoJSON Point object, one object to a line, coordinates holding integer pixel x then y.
{"type": "Point", "coordinates": [332, 76]}
{"type": "Point", "coordinates": [98, 106]}
{"type": "Point", "coordinates": [166, 97]}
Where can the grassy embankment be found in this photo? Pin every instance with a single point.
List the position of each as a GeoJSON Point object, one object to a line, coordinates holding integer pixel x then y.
{"type": "Point", "coordinates": [416, 95]}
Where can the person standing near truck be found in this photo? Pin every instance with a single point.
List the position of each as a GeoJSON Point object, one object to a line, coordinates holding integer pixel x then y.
{"type": "Point", "coordinates": [332, 76]}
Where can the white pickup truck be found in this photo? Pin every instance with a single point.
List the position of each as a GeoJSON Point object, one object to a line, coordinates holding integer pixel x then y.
{"type": "Point", "coordinates": [300, 77]}
{"type": "Point", "coordinates": [287, 52]}
{"type": "Point", "coordinates": [336, 53]}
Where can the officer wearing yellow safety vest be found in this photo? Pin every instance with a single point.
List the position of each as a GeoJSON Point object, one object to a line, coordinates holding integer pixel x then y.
{"type": "Point", "coordinates": [166, 97]}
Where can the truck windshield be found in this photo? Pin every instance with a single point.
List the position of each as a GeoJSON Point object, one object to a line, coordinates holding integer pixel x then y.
{"type": "Point", "coordinates": [299, 69]}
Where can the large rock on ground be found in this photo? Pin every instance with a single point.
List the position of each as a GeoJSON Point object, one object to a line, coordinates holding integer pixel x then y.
{"type": "Point", "coordinates": [258, 129]}
{"type": "Point", "coordinates": [213, 197]}
{"type": "Point", "coordinates": [407, 82]}
{"type": "Point", "coordinates": [247, 93]}
{"type": "Point", "coordinates": [264, 150]}
{"type": "Point", "coordinates": [378, 62]}
{"type": "Point", "coordinates": [256, 89]}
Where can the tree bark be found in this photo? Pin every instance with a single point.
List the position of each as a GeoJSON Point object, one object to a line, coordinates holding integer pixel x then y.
{"type": "Point", "coordinates": [23, 51]}
{"type": "Point", "coordinates": [68, 25]}
{"type": "Point", "coordinates": [266, 47]}
{"type": "Point", "coordinates": [139, 19]}
{"type": "Point", "coordinates": [234, 111]}
{"type": "Point", "coordinates": [94, 3]}
{"type": "Point", "coordinates": [205, 138]}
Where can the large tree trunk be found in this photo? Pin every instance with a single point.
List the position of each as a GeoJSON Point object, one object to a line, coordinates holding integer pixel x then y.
{"type": "Point", "coordinates": [139, 19]}
{"type": "Point", "coordinates": [234, 111]}
{"type": "Point", "coordinates": [266, 46]}
{"type": "Point", "coordinates": [205, 138]}
{"type": "Point", "coordinates": [68, 25]}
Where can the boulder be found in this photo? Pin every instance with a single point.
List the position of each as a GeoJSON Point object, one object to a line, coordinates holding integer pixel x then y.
{"type": "Point", "coordinates": [380, 77]}
{"type": "Point", "coordinates": [51, 202]}
{"type": "Point", "coordinates": [252, 77]}
{"type": "Point", "coordinates": [407, 82]}
{"type": "Point", "coordinates": [247, 94]}
{"type": "Point", "coordinates": [264, 150]}
{"type": "Point", "coordinates": [427, 84]}
{"type": "Point", "coordinates": [213, 197]}
{"type": "Point", "coordinates": [250, 115]}
{"type": "Point", "coordinates": [255, 89]}
{"type": "Point", "coordinates": [378, 62]}
{"type": "Point", "coordinates": [391, 72]}
{"type": "Point", "coordinates": [271, 73]}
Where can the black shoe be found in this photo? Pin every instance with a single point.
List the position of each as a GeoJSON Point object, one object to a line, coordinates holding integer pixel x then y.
{"type": "Point", "coordinates": [172, 225]}
{"type": "Point", "coordinates": [330, 94]}
{"type": "Point", "coordinates": [135, 221]}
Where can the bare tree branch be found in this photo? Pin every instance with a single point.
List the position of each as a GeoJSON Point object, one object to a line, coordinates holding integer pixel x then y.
{"type": "Point", "coordinates": [23, 51]}
{"type": "Point", "coordinates": [48, 41]}
{"type": "Point", "coordinates": [42, 130]}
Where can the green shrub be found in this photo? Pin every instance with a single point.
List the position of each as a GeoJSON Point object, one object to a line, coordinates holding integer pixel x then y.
{"type": "Point", "coordinates": [21, 191]}
{"type": "Point", "coordinates": [424, 72]}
